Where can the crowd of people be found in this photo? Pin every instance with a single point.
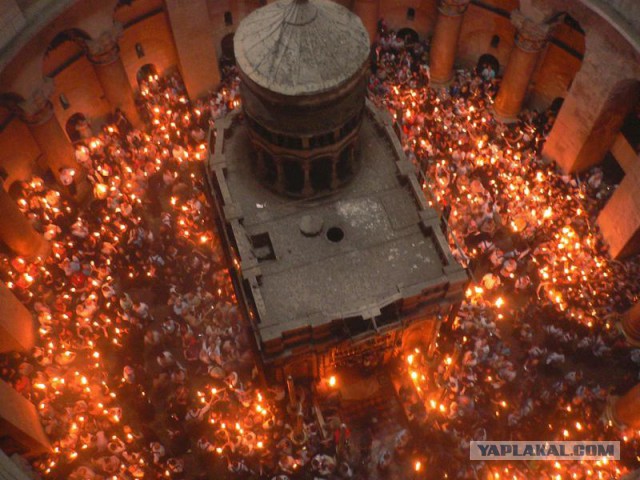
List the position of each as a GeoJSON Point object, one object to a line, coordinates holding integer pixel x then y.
{"type": "Point", "coordinates": [142, 367]}
{"type": "Point", "coordinates": [521, 360]}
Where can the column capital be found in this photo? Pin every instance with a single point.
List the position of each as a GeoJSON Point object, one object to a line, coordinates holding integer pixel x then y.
{"type": "Point", "coordinates": [37, 114]}
{"type": "Point", "coordinates": [531, 36]}
{"type": "Point", "coordinates": [104, 49]}
{"type": "Point", "coordinates": [453, 8]}
{"type": "Point", "coordinates": [37, 108]}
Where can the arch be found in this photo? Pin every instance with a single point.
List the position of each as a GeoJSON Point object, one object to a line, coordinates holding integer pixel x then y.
{"type": "Point", "coordinates": [75, 35]}
{"type": "Point", "coordinates": [227, 49]}
{"type": "Point", "coordinates": [63, 49]}
{"type": "Point", "coordinates": [488, 60]}
{"type": "Point", "coordinates": [631, 127]}
{"type": "Point", "coordinates": [78, 128]}
{"type": "Point", "coordinates": [409, 35]}
{"type": "Point", "coordinates": [146, 73]}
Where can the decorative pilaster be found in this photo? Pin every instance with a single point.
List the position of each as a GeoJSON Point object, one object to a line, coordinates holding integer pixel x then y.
{"type": "Point", "coordinates": [531, 38]}
{"type": "Point", "coordinates": [444, 45]}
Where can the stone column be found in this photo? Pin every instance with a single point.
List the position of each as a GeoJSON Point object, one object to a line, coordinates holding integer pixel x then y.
{"type": "Point", "coordinates": [195, 42]}
{"type": "Point", "coordinates": [17, 232]}
{"type": "Point", "coordinates": [21, 422]}
{"type": "Point", "coordinates": [57, 151]}
{"type": "Point", "coordinates": [17, 331]}
{"type": "Point", "coordinates": [50, 137]}
{"type": "Point", "coordinates": [624, 411]}
{"type": "Point", "coordinates": [531, 38]}
{"type": "Point", "coordinates": [444, 45]}
{"type": "Point", "coordinates": [335, 181]}
{"type": "Point", "coordinates": [104, 54]}
{"type": "Point", "coordinates": [368, 11]}
{"type": "Point", "coordinates": [307, 188]}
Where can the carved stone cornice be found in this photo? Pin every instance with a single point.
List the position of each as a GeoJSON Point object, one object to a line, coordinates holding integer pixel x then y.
{"type": "Point", "coordinates": [453, 8]}
{"type": "Point", "coordinates": [531, 36]}
{"type": "Point", "coordinates": [104, 49]}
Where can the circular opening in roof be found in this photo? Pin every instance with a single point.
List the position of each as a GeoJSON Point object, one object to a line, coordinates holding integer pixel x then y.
{"type": "Point", "coordinates": [335, 234]}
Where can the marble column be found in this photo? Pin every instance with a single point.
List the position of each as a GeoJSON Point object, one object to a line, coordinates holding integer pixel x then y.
{"type": "Point", "coordinates": [17, 232]}
{"type": "Point", "coordinates": [531, 38]}
{"type": "Point", "coordinates": [624, 411]}
{"type": "Point", "coordinates": [368, 11]}
{"type": "Point", "coordinates": [630, 325]}
{"type": "Point", "coordinates": [104, 54]}
{"type": "Point", "coordinates": [17, 330]}
{"type": "Point", "coordinates": [444, 45]}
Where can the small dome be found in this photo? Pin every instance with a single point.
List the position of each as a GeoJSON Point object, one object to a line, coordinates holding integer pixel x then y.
{"type": "Point", "coordinates": [301, 47]}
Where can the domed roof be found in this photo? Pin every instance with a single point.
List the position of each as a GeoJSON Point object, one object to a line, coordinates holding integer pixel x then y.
{"type": "Point", "coordinates": [301, 47]}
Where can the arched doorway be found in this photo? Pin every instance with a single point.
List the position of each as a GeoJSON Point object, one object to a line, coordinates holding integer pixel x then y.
{"type": "Point", "coordinates": [556, 105]}
{"type": "Point", "coordinates": [147, 73]}
{"type": "Point", "coordinates": [78, 128]}
{"type": "Point", "coordinates": [631, 128]}
{"type": "Point", "coordinates": [228, 55]}
{"type": "Point", "coordinates": [487, 60]}
{"type": "Point", "coordinates": [409, 35]}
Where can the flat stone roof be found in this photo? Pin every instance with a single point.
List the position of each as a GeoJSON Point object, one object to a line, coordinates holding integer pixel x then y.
{"type": "Point", "coordinates": [301, 47]}
{"type": "Point", "coordinates": [392, 245]}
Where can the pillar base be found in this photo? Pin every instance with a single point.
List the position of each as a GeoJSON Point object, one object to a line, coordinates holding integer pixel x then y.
{"type": "Point", "coordinates": [440, 84]}
{"type": "Point", "coordinates": [609, 416]}
{"type": "Point", "coordinates": [631, 338]}
{"type": "Point", "coordinates": [504, 118]}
